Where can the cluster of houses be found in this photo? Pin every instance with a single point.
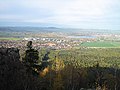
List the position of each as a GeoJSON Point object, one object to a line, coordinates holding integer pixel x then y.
{"type": "Point", "coordinates": [45, 42]}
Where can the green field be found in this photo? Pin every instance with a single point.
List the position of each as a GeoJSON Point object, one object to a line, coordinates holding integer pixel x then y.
{"type": "Point", "coordinates": [104, 44]}
{"type": "Point", "coordinates": [11, 38]}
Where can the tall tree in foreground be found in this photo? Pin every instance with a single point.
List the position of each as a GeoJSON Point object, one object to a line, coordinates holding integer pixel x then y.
{"type": "Point", "coordinates": [31, 59]}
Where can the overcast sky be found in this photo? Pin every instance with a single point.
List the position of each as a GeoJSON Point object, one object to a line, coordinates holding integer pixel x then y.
{"type": "Point", "coordinates": [91, 14]}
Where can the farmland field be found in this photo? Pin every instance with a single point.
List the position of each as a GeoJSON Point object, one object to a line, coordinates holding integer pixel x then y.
{"type": "Point", "coordinates": [9, 38]}
{"type": "Point", "coordinates": [104, 44]}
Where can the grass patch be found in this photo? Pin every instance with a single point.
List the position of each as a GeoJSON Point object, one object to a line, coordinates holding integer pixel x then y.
{"type": "Point", "coordinates": [11, 38]}
{"type": "Point", "coordinates": [106, 44]}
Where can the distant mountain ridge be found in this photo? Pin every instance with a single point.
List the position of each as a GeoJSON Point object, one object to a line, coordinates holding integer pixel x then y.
{"type": "Point", "coordinates": [55, 29]}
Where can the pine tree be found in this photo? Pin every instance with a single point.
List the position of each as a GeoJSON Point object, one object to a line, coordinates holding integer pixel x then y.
{"type": "Point", "coordinates": [31, 58]}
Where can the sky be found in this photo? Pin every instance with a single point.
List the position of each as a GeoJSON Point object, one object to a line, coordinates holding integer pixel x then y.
{"type": "Point", "coordinates": [88, 14]}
